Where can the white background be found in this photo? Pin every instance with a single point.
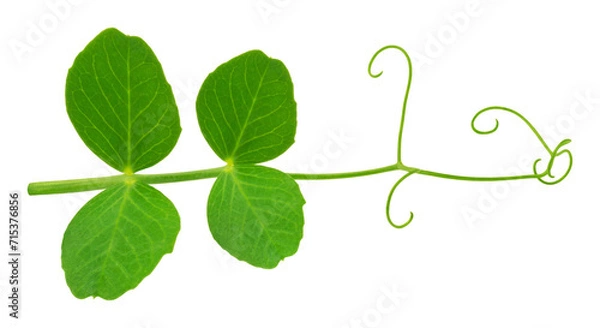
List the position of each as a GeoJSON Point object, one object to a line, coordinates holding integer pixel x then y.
{"type": "Point", "coordinates": [477, 254]}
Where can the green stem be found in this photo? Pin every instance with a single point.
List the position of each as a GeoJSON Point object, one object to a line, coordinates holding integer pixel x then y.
{"type": "Point", "coordinates": [469, 178]}
{"type": "Point", "coordinates": [179, 176]}
{"type": "Point", "coordinates": [330, 176]}
{"type": "Point", "coordinates": [77, 185]}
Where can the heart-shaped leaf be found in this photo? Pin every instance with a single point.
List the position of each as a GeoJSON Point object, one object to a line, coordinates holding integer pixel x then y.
{"type": "Point", "coordinates": [117, 239]}
{"type": "Point", "coordinates": [120, 102]}
{"type": "Point", "coordinates": [246, 109]}
{"type": "Point", "coordinates": [255, 213]}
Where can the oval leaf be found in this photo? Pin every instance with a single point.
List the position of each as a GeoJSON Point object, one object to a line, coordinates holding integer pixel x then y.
{"type": "Point", "coordinates": [120, 102]}
{"type": "Point", "coordinates": [246, 109]}
{"type": "Point", "coordinates": [255, 213]}
{"type": "Point", "coordinates": [117, 239]}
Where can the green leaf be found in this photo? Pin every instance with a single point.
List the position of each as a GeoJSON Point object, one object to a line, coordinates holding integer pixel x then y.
{"type": "Point", "coordinates": [120, 102]}
{"type": "Point", "coordinates": [117, 239]}
{"type": "Point", "coordinates": [246, 109]}
{"type": "Point", "coordinates": [255, 213]}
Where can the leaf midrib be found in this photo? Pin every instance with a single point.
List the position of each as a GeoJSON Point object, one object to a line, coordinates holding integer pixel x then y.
{"type": "Point", "coordinates": [114, 232]}
{"type": "Point", "coordinates": [128, 61]}
{"type": "Point", "coordinates": [254, 98]}
{"type": "Point", "coordinates": [256, 215]}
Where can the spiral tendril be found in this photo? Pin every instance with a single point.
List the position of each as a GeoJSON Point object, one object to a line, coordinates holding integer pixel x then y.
{"type": "Point", "coordinates": [540, 176]}
{"type": "Point", "coordinates": [497, 124]}
{"type": "Point", "coordinates": [389, 200]}
{"type": "Point", "coordinates": [553, 156]}
{"type": "Point", "coordinates": [553, 153]}
{"type": "Point", "coordinates": [406, 92]}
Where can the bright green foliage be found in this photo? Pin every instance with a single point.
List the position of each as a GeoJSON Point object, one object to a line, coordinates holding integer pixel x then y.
{"type": "Point", "coordinates": [117, 239]}
{"type": "Point", "coordinates": [246, 109]}
{"type": "Point", "coordinates": [120, 102]}
{"type": "Point", "coordinates": [124, 110]}
{"type": "Point", "coordinates": [247, 113]}
{"type": "Point", "coordinates": [255, 213]}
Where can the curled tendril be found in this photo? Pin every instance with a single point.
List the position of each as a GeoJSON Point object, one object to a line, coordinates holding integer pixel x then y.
{"type": "Point", "coordinates": [512, 111]}
{"type": "Point", "coordinates": [558, 151]}
{"type": "Point", "coordinates": [401, 129]}
{"type": "Point", "coordinates": [389, 200]}
{"type": "Point", "coordinates": [547, 173]}
{"type": "Point", "coordinates": [406, 92]}
{"type": "Point", "coordinates": [553, 155]}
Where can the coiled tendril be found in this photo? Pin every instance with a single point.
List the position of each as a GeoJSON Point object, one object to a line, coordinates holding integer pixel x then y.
{"type": "Point", "coordinates": [540, 176]}
{"type": "Point", "coordinates": [553, 153]}
{"type": "Point", "coordinates": [389, 200]}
